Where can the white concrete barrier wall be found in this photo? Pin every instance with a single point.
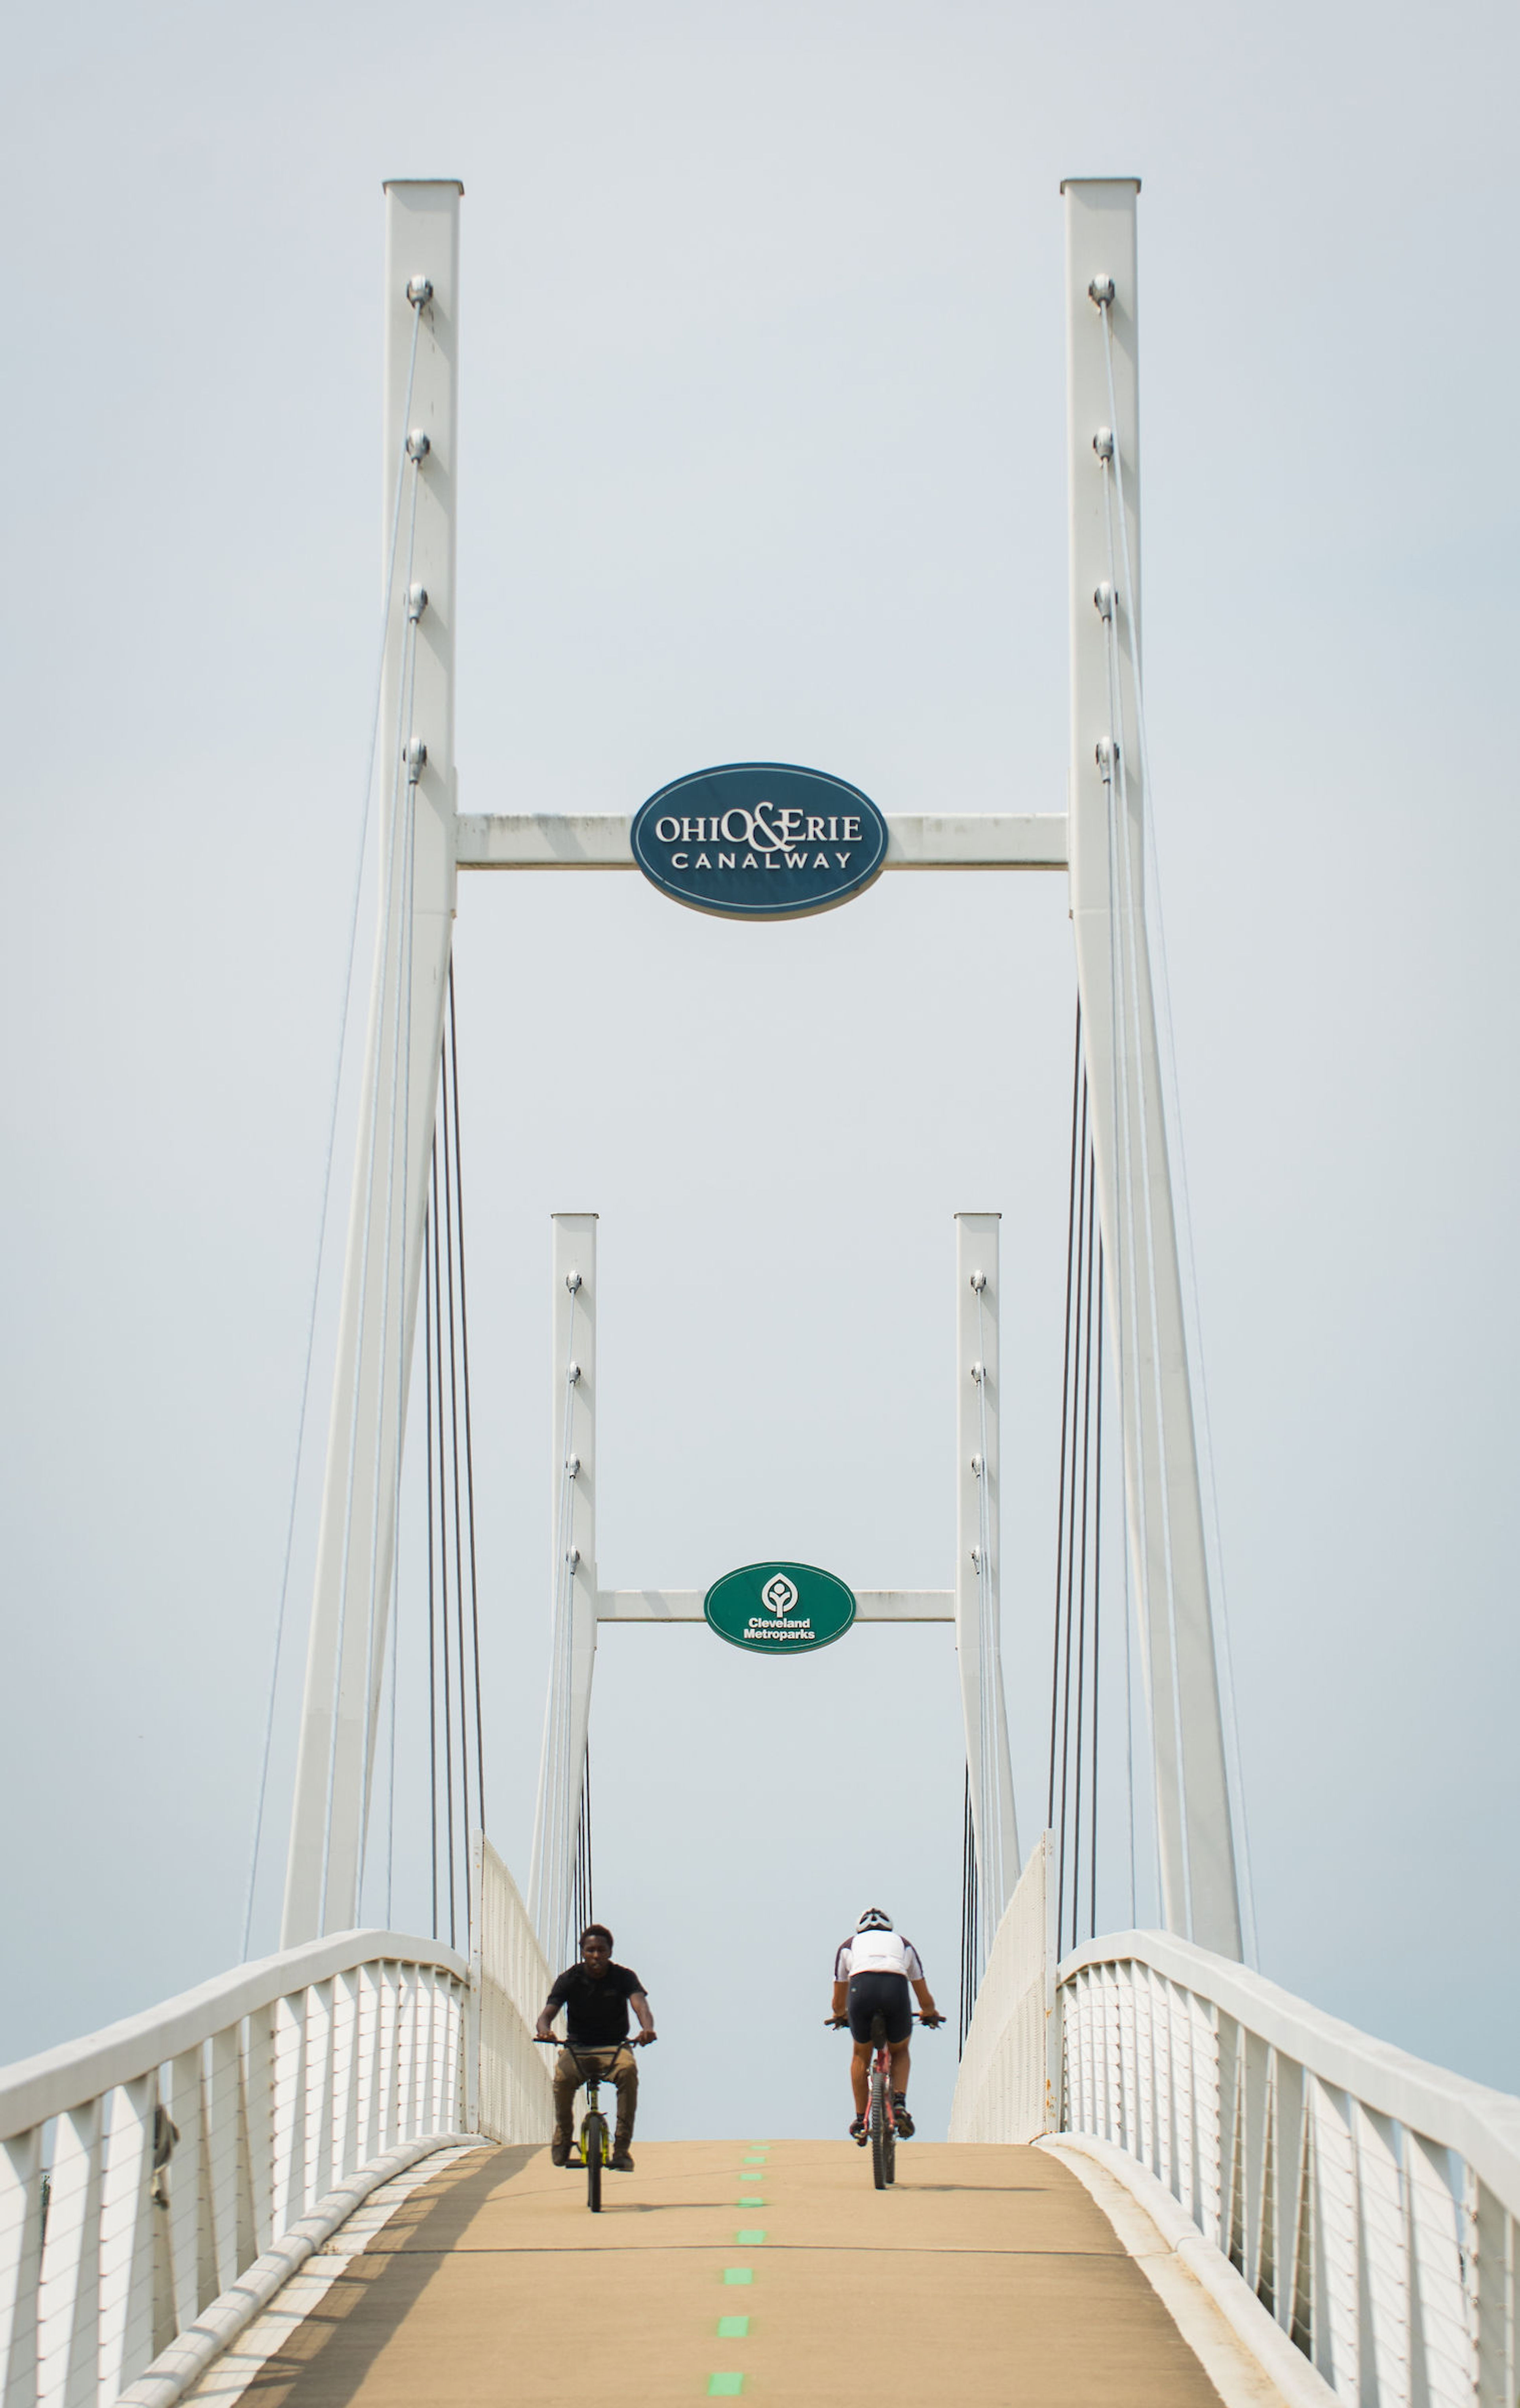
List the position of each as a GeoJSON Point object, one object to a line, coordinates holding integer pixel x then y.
{"type": "Point", "coordinates": [1370, 2202]}
{"type": "Point", "coordinates": [144, 2168]}
{"type": "Point", "coordinates": [1008, 2088]}
{"type": "Point", "coordinates": [512, 1979]}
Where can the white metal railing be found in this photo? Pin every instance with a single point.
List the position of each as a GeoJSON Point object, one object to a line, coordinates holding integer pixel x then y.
{"type": "Point", "coordinates": [144, 2170]}
{"type": "Point", "coordinates": [1367, 2198]}
{"type": "Point", "coordinates": [510, 1978]}
{"type": "Point", "coordinates": [1370, 2202]}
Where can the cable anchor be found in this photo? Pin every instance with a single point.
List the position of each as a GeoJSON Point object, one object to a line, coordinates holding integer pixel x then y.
{"type": "Point", "coordinates": [1103, 599]}
{"type": "Point", "coordinates": [419, 444]}
{"type": "Point", "coordinates": [1101, 290]}
{"type": "Point", "coordinates": [416, 601]}
{"type": "Point", "coordinates": [1103, 443]}
{"type": "Point", "coordinates": [416, 760]}
{"type": "Point", "coordinates": [419, 291]}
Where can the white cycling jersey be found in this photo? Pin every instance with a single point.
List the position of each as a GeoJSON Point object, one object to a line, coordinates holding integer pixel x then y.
{"type": "Point", "coordinates": [876, 1952]}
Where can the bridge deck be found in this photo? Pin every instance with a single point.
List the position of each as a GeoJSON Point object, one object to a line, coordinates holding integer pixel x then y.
{"type": "Point", "coordinates": [988, 2273]}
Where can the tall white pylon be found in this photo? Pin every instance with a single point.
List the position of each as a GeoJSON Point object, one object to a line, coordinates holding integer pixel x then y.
{"type": "Point", "coordinates": [979, 1567]}
{"type": "Point", "coordinates": [1108, 806]}
{"type": "Point", "coordinates": [572, 1583]}
{"type": "Point", "coordinates": [356, 1544]}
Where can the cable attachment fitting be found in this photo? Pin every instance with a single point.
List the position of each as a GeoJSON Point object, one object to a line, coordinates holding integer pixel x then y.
{"type": "Point", "coordinates": [572, 1466]}
{"type": "Point", "coordinates": [572, 1556]}
{"type": "Point", "coordinates": [976, 1464]}
{"type": "Point", "coordinates": [572, 1280]}
{"type": "Point", "coordinates": [1101, 290]}
{"type": "Point", "coordinates": [1103, 599]}
{"type": "Point", "coordinates": [572, 1375]}
{"type": "Point", "coordinates": [979, 1374]}
{"type": "Point", "coordinates": [975, 1557]}
{"type": "Point", "coordinates": [420, 291]}
{"type": "Point", "coordinates": [1106, 754]}
{"type": "Point", "coordinates": [1103, 443]}
{"type": "Point", "coordinates": [416, 760]}
{"type": "Point", "coordinates": [979, 1281]}
{"type": "Point", "coordinates": [416, 601]}
{"type": "Point", "coordinates": [419, 445]}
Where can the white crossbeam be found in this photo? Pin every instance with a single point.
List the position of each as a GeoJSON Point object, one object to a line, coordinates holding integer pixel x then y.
{"type": "Point", "coordinates": [917, 840]}
{"type": "Point", "coordinates": [686, 1605]}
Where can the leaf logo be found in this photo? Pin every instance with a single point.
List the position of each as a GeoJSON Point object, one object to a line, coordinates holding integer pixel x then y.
{"type": "Point", "coordinates": [780, 1595]}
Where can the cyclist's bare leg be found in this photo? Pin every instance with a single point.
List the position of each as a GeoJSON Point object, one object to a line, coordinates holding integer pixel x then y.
{"type": "Point", "coordinates": [900, 2066]}
{"type": "Point", "coordinates": [860, 2075]}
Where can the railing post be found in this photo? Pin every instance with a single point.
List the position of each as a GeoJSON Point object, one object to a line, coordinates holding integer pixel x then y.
{"type": "Point", "coordinates": [68, 2326]}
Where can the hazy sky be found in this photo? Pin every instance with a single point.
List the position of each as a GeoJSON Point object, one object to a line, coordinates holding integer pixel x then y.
{"type": "Point", "coordinates": [762, 456]}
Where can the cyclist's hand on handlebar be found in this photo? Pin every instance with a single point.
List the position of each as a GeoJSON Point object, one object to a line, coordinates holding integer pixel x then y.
{"type": "Point", "coordinates": [642, 2038]}
{"type": "Point", "coordinates": [932, 2021]}
{"type": "Point", "coordinates": [837, 2023]}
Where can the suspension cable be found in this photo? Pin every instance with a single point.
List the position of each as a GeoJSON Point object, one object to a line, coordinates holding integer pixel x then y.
{"type": "Point", "coordinates": [339, 1052]}
{"type": "Point", "coordinates": [1169, 1027]}
{"type": "Point", "coordinates": [469, 1445]}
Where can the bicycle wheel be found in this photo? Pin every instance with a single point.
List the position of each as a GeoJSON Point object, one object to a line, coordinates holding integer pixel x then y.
{"type": "Point", "coordinates": [881, 2127]}
{"type": "Point", "coordinates": [594, 2144]}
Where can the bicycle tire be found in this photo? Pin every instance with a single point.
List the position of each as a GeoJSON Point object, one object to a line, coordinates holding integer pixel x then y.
{"type": "Point", "coordinates": [593, 2144]}
{"type": "Point", "coordinates": [880, 2131]}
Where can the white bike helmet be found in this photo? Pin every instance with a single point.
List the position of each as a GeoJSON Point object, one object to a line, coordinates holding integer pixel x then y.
{"type": "Point", "coordinates": [874, 1919]}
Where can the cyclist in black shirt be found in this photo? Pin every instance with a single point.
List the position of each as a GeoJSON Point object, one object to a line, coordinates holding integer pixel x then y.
{"type": "Point", "coordinates": [596, 1996]}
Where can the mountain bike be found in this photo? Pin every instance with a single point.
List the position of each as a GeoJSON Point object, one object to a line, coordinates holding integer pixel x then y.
{"type": "Point", "coordinates": [595, 2140]}
{"type": "Point", "coordinates": [880, 2119]}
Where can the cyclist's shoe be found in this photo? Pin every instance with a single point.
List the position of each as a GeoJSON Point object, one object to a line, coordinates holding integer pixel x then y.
{"type": "Point", "coordinates": [559, 2149]}
{"type": "Point", "coordinates": [621, 2162]}
{"type": "Point", "coordinates": [860, 2131]}
{"type": "Point", "coordinates": [901, 2116]}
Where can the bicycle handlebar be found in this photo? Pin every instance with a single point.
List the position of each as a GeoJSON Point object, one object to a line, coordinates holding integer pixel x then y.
{"type": "Point", "coordinates": [841, 2023]}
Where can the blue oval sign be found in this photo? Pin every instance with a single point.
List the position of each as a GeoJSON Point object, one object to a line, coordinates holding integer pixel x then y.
{"type": "Point", "coordinates": [760, 840]}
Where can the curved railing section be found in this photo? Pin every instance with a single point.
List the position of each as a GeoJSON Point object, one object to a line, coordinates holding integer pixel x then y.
{"type": "Point", "coordinates": [145, 2170]}
{"type": "Point", "coordinates": [512, 1978]}
{"type": "Point", "coordinates": [1370, 2202]}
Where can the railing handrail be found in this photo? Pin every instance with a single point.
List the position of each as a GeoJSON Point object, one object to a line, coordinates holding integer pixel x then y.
{"type": "Point", "coordinates": [1481, 2124]}
{"type": "Point", "coordinates": [48, 2085]}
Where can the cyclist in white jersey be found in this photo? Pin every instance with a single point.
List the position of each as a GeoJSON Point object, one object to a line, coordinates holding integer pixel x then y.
{"type": "Point", "coordinates": [873, 1970]}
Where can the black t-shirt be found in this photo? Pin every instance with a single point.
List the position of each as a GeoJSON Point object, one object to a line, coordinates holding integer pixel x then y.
{"type": "Point", "coordinates": [597, 2011]}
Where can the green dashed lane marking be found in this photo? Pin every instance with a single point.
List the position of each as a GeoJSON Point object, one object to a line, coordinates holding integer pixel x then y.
{"type": "Point", "coordinates": [738, 2273]}
{"type": "Point", "coordinates": [733, 2328]}
{"type": "Point", "coordinates": [747, 2200]}
{"type": "Point", "coordinates": [749, 2238]}
{"type": "Point", "coordinates": [724, 2387]}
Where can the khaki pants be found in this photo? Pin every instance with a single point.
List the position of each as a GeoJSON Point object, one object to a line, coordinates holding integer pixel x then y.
{"type": "Point", "coordinates": [617, 2064]}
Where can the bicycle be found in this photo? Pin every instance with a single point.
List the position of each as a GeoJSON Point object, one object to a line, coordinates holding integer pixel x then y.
{"type": "Point", "coordinates": [882, 2121]}
{"type": "Point", "coordinates": [595, 2140]}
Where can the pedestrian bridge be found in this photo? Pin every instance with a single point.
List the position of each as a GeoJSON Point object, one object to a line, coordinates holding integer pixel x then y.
{"type": "Point", "coordinates": [770, 2270]}
{"type": "Point", "coordinates": [324, 2176]}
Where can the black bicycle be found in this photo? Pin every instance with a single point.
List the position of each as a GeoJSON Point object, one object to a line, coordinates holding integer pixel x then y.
{"type": "Point", "coordinates": [880, 2119]}
{"type": "Point", "coordinates": [595, 2140]}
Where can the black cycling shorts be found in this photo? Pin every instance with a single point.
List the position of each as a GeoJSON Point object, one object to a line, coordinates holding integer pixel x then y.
{"type": "Point", "coordinates": [879, 1994]}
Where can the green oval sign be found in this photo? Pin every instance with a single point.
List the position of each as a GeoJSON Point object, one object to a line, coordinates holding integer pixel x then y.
{"type": "Point", "coordinates": [778, 1609]}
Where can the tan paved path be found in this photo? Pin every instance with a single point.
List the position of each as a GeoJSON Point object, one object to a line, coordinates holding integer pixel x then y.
{"type": "Point", "coordinates": [987, 2276]}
